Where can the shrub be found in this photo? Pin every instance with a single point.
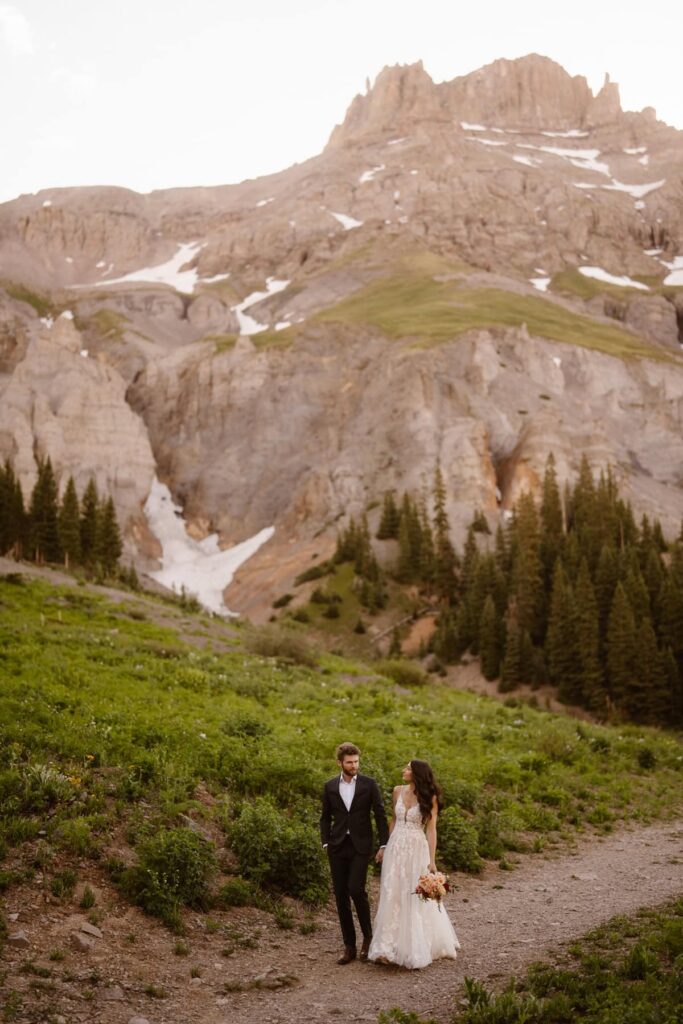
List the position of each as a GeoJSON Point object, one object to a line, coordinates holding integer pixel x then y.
{"type": "Point", "coordinates": [245, 724]}
{"type": "Point", "coordinates": [458, 842]}
{"type": "Point", "coordinates": [63, 883]}
{"type": "Point", "coordinates": [332, 611]}
{"type": "Point", "coordinates": [273, 642]}
{"type": "Point", "coordinates": [405, 673]}
{"type": "Point", "coordinates": [76, 835]}
{"type": "Point", "coordinates": [316, 572]}
{"type": "Point", "coordinates": [489, 841]}
{"type": "Point", "coordinates": [87, 899]}
{"type": "Point", "coordinates": [282, 602]}
{"type": "Point", "coordinates": [647, 758]}
{"type": "Point", "coordinates": [640, 962]}
{"type": "Point", "coordinates": [238, 892]}
{"type": "Point", "coordinates": [462, 794]}
{"type": "Point", "coordinates": [174, 868]}
{"type": "Point", "coordinates": [275, 850]}
{"type": "Point", "coordinates": [7, 878]}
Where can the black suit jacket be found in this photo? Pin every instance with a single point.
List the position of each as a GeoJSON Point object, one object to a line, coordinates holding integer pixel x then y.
{"type": "Point", "coordinates": [336, 821]}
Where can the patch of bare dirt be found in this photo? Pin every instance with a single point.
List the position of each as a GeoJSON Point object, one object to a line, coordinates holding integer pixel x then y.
{"type": "Point", "coordinates": [504, 921]}
{"type": "Point", "coordinates": [468, 676]}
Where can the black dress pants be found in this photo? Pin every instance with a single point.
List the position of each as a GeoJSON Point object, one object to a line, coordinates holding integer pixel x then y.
{"type": "Point", "coordinates": [349, 872]}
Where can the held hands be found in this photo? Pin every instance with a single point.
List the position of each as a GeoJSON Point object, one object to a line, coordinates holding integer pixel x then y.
{"type": "Point", "coordinates": [379, 856]}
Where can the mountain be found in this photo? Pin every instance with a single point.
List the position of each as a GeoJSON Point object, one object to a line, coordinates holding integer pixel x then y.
{"type": "Point", "coordinates": [471, 274]}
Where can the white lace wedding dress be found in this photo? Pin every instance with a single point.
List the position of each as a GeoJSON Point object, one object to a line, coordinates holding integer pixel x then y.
{"type": "Point", "coordinates": [407, 930]}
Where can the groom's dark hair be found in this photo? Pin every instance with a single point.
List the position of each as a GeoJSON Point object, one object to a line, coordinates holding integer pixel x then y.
{"type": "Point", "coordinates": [347, 750]}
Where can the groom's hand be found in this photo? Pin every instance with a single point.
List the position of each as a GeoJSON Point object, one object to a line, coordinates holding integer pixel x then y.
{"type": "Point", "coordinates": [379, 856]}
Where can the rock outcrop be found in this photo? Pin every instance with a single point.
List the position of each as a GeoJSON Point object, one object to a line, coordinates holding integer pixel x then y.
{"type": "Point", "coordinates": [62, 404]}
{"type": "Point", "coordinates": [541, 201]}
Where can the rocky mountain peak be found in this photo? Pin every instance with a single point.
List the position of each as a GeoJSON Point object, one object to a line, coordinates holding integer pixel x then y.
{"type": "Point", "coordinates": [402, 93]}
{"type": "Point", "coordinates": [525, 93]}
{"type": "Point", "coordinates": [530, 92]}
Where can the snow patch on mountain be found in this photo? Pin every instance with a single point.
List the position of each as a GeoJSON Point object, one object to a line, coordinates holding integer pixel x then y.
{"type": "Point", "coordinates": [602, 275]}
{"type": "Point", "coordinates": [196, 567]}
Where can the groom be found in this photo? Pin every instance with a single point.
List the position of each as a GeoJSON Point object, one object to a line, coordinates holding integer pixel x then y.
{"type": "Point", "coordinates": [346, 831]}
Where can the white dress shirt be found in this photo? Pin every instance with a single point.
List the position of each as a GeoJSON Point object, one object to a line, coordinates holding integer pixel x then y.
{"type": "Point", "coordinates": [347, 791]}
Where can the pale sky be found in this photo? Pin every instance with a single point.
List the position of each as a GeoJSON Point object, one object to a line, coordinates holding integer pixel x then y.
{"type": "Point", "coordinates": [160, 93]}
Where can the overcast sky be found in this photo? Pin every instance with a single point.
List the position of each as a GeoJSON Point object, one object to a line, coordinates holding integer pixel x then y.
{"type": "Point", "coordinates": [156, 93]}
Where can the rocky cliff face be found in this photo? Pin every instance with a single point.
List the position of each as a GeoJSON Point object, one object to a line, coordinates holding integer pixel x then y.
{"type": "Point", "coordinates": [472, 273]}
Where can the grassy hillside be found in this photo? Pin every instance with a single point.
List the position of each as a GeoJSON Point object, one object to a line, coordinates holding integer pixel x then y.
{"type": "Point", "coordinates": [412, 303]}
{"type": "Point", "coordinates": [627, 971]}
{"type": "Point", "coordinates": [111, 722]}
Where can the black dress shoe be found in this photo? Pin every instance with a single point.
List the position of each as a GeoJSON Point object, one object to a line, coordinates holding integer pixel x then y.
{"type": "Point", "coordinates": [348, 955]}
{"type": "Point", "coordinates": [364, 949]}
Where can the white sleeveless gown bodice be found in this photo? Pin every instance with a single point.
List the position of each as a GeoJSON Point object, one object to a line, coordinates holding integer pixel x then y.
{"type": "Point", "coordinates": [407, 930]}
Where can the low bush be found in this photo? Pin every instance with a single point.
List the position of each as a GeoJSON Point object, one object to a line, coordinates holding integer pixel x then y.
{"type": "Point", "coordinates": [175, 868]}
{"type": "Point", "coordinates": [76, 835]}
{"type": "Point", "coordinates": [246, 724]}
{"type": "Point", "coordinates": [238, 892]}
{"type": "Point", "coordinates": [405, 673]}
{"type": "Point", "coordinates": [316, 572]}
{"type": "Point", "coordinates": [458, 842]}
{"type": "Point", "coordinates": [63, 883]}
{"type": "Point", "coordinates": [460, 793]}
{"type": "Point", "coordinates": [287, 647]}
{"type": "Point", "coordinates": [280, 852]}
{"type": "Point", "coordinates": [489, 840]}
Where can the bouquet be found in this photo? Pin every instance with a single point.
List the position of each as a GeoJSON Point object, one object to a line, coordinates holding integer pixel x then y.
{"type": "Point", "coordinates": [432, 886]}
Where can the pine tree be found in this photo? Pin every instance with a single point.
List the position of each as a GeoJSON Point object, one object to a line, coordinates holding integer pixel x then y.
{"type": "Point", "coordinates": [395, 646]}
{"type": "Point", "coordinates": [527, 580]}
{"type": "Point", "coordinates": [89, 523]}
{"type": "Point", "coordinates": [489, 640]}
{"type": "Point", "coordinates": [389, 523]}
{"type": "Point", "coordinates": [19, 520]}
{"type": "Point", "coordinates": [69, 525]}
{"type": "Point", "coordinates": [674, 681]}
{"type": "Point", "coordinates": [484, 584]}
{"type": "Point", "coordinates": [606, 579]}
{"type": "Point", "coordinates": [445, 641]}
{"type": "Point", "coordinates": [427, 550]}
{"type": "Point", "coordinates": [8, 509]}
{"type": "Point", "coordinates": [552, 524]}
{"type": "Point", "coordinates": [109, 545]}
{"type": "Point", "coordinates": [408, 567]}
{"type": "Point", "coordinates": [653, 574]}
{"type": "Point", "coordinates": [445, 560]}
{"type": "Point", "coordinates": [502, 552]}
{"type": "Point", "coordinates": [648, 699]}
{"type": "Point", "coordinates": [621, 649]}
{"type": "Point", "coordinates": [671, 616]}
{"type": "Point", "coordinates": [588, 642]}
{"type": "Point", "coordinates": [43, 515]}
{"type": "Point", "coordinates": [561, 644]}
{"type": "Point", "coordinates": [636, 591]}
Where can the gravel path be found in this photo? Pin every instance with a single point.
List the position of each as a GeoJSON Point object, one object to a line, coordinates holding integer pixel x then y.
{"type": "Point", "coordinates": [128, 967]}
{"type": "Point", "coordinates": [504, 921]}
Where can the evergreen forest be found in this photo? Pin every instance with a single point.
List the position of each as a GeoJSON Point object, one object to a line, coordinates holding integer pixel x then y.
{"type": "Point", "coordinates": [73, 531]}
{"type": "Point", "coordinates": [571, 591]}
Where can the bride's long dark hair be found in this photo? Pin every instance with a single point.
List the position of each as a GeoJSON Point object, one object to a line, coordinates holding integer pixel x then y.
{"type": "Point", "coordinates": [426, 788]}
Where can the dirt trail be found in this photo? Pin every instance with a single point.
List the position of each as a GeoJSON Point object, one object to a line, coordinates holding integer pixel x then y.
{"type": "Point", "coordinates": [504, 920]}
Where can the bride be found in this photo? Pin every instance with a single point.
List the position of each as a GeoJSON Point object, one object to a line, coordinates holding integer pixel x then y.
{"type": "Point", "coordinates": [409, 931]}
